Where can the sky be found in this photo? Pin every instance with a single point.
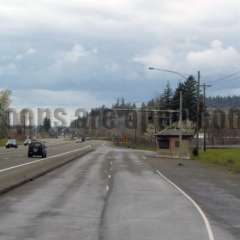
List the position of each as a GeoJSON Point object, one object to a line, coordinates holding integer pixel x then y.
{"type": "Point", "coordinates": [86, 53]}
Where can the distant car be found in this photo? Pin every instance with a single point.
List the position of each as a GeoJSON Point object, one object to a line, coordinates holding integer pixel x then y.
{"type": "Point", "coordinates": [11, 143]}
{"type": "Point", "coordinates": [37, 148]}
{"type": "Point", "coordinates": [27, 142]}
{"type": "Point", "coordinates": [79, 140]}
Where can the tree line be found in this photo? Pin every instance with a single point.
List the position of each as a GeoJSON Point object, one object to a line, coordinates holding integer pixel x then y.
{"type": "Point", "coordinates": [170, 99]}
{"type": "Point", "coordinates": [223, 101]}
{"type": "Point", "coordinates": [4, 105]}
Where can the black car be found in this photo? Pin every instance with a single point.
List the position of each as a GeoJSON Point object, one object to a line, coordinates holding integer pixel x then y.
{"type": "Point", "coordinates": [37, 148]}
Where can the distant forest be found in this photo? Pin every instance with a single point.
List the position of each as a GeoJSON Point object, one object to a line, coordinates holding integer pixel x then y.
{"type": "Point", "coordinates": [169, 99]}
{"type": "Point", "coordinates": [223, 101]}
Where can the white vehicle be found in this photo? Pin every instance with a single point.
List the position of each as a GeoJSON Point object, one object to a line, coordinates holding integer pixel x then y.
{"type": "Point", "coordinates": [27, 142]}
{"type": "Point", "coordinates": [11, 143]}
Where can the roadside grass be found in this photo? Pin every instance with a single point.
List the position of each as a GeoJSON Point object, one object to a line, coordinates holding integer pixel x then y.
{"type": "Point", "coordinates": [228, 158]}
{"type": "Point", "coordinates": [3, 142]}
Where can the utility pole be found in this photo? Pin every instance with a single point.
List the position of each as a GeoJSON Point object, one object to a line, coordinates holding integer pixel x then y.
{"type": "Point", "coordinates": [204, 115]}
{"type": "Point", "coordinates": [180, 122]}
{"type": "Point", "coordinates": [24, 124]}
{"type": "Point", "coordinates": [198, 109]}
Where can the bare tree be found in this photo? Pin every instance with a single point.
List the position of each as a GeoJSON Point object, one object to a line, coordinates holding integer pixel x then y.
{"type": "Point", "coordinates": [4, 104]}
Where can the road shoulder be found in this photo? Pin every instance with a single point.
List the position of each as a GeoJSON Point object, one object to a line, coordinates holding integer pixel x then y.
{"type": "Point", "coordinates": [214, 189]}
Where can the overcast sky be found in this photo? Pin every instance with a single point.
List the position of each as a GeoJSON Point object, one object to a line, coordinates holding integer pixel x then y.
{"type": "Point", "coordinates": [84, 53]}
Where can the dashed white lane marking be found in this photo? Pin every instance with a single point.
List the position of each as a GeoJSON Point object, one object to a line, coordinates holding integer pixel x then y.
{"type": "Point", "coordinates": [109, 176]}
{"type": "Point", "coordinates": [111, 163]}
{"type": "Point", "coordinates": [107, 188]}
{"type": "Point", "coordinates": [205, 219]}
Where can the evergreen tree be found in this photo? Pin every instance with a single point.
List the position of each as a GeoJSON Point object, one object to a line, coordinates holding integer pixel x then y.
{"type": "Point", "coordinates": [46, 124]}
{"type": "Point", "coordinates": [143, 106]}
{"type": "Point", "coordinates": [189, 94]}
{"type": "Point", "coordinates": [151, 104]}
{"type": "Point", "coordinates": [166, 98]}
{"type": "Point", "coordinates": [190, 98]}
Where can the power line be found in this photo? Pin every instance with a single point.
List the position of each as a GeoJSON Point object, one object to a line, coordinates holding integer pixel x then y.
{"type": "Point", "coordinates": [145, 110]}
{"type": "Point", "coordinates": [227, 76]}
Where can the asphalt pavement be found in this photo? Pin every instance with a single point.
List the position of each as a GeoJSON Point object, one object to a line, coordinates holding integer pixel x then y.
{"type": "Point", "coordinates": [214, 188]}
{"type": "Point", "coordinates": [16, 156]}
{"type": "Point", "coordinates": [109, 194]}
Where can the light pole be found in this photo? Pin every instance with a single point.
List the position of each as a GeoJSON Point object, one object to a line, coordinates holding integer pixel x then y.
{"type": "Point", "coordinates": [180, 107]}
{"type": "Point", "coordinates": [169, 71]}
{"type": "Point", "coordinates": [204, 115]}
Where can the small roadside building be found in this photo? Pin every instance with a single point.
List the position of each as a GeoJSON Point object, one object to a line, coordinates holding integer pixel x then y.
{"type": "Point", "coordinates": [168, 142]}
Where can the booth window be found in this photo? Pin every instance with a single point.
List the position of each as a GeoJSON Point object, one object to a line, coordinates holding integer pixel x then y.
{"type": "Point", "coordinates": [163, 143]}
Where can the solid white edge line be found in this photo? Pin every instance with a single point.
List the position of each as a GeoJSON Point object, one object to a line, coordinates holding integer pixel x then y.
{"type": "Point", "coordinates": [40, 160]}
{"type": "Point", "coordinates": [205, 219]}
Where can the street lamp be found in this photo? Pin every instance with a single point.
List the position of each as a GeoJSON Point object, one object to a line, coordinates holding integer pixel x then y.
{"type": "Point", "coordinates": [169, 71]}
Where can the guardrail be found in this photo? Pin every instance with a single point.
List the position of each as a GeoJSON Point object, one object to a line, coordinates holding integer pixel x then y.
{"type": "Point", "coordinates": [17, 175]}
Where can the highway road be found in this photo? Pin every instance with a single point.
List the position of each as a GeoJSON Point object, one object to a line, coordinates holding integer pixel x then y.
{"type": "Point", "coordinates": [12, 157]}
{"type": "Point", "coordinates": [109, 194]}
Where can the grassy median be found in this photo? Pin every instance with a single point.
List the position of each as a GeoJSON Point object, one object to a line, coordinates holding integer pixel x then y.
{"type": "Point", "coordinates": [229, 158]}
{"type": "Point", "coordinates": [2, 142]}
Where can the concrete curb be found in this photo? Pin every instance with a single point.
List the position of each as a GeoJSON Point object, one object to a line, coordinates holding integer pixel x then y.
{"type": "Point", "coordinates": [14, 176]}
{"type": "Point", "coordinates": [173, 157]}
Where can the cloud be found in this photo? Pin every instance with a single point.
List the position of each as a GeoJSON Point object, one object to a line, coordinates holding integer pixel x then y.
{"type": "Point", "coordinates": [112, 67]}
{"type": "Point", "coordinates": [75, 54]}
{"type": "Point", "coordinates": [222, 91]}
{"type": "Point", "coordinates": [216, 56]}
{"type": "Point", "coordinates": [160, 57]}
{"type": "Point", "coordinates": [102, 47]}
{"type": "Point", "coordinates": [212, 59]}
{"type": "Point", "coordinates": [45, 97]}
{"type": "Point", "coordinates": [28, 52]}
{"type": "Point", "coordinates": [8, 69]}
